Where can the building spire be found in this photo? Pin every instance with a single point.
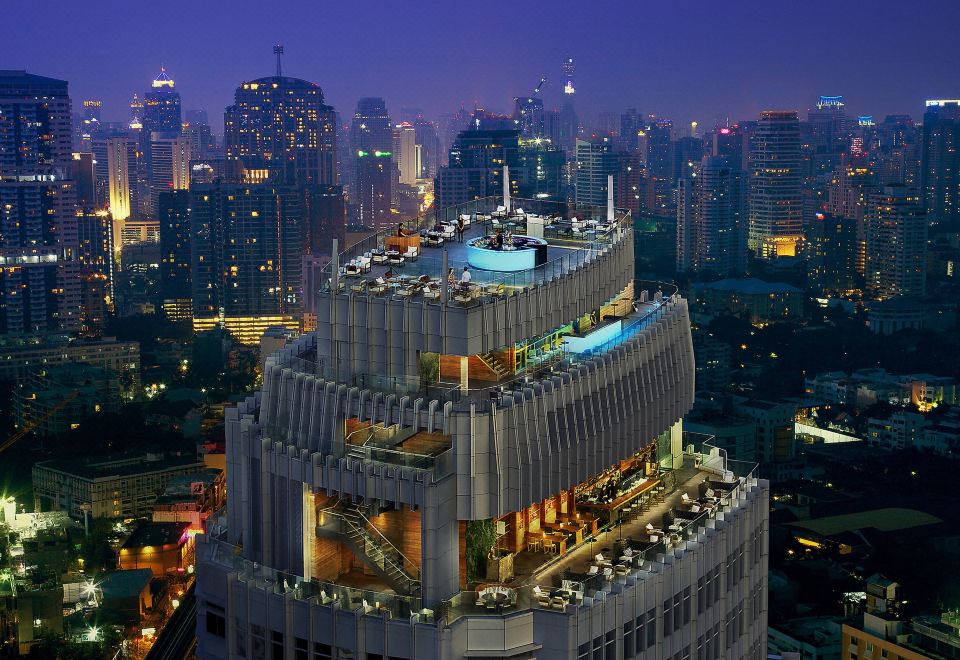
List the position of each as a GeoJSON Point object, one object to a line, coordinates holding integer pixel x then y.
{"type": "Point", "coordinates": [278, 51]}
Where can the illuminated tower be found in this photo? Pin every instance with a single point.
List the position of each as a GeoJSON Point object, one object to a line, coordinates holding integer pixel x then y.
{"type": "Point", "coordinates": [776, 204]}
{"type": "Point", "coordinates": [568, 69]}
{"type": "Point", "coordinates": [161, 106]}
{"type": "Point", "coordinates": [896, 246]}
{"type": "Point", "coordinates": [281, 125]}
{"type": "Point", "coordinates": [40, 274]}
{"type": "Point", "coordinates": [940, 169]}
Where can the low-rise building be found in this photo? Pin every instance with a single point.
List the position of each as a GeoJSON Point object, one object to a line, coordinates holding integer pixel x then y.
{"type": "Point", "coordinates": [158, 546]}
{"type": "Point", "coordinates": [107, 487]}
{"type": "Point", "coordinates": [866, 387]}
{"type": "Point", "coordinates": [809, 638]}
{"type": "Point", "coordinates": [18, 358]}
{"type": "Point", "coordinates": [191, 498]}
{"type": "Point", "coordinates": [761, 302]}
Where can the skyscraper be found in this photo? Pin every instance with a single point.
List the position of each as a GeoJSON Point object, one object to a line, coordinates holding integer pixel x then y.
{"type": "Point", "coordinates": [405, 153]}
{"type": "Point", "coordinates": [389, 497]}
{"type": "Point", "coordinates": [170, 167]}
{"type": "Point", "coordinates": [940, 162]}
{"type": "Point", "coordinates": [711, 218]}
{"type": "Point", "coordinates": [39, 280]}
{"type": "Point", "coordinates": [528, 116]}
{"type": "Point", "coordinates": [475, 166]}
{"type": "Point", "coordinates": [896, 243]}
{"type": "Point", "coordinates": [371, 139]}
{"type": "Point", "coordinates": [246, 244]}
{"type": "Point", "coordinates": [596, 160]}
{"type": "Point", "coordinates": [776, 204]}
{"type": "Point", "coordinates": [175, 255]}
{"type": "Point", "coordinates": [631, 123]}
{"type": "Point", "coordinates": [161, 107]}
{"type": "Point", "coordinates": [282, 125]}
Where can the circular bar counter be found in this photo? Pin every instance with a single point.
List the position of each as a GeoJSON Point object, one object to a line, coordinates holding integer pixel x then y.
{"type": "Point", "coordinates": [519, 253]}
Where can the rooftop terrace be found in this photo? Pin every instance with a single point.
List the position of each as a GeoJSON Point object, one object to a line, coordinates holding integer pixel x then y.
{"type": "Point", "coordinates": [414, 259]}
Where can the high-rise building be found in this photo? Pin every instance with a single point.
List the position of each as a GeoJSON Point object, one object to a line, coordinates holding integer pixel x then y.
{"type": "Point", "coordinates": [406, 154]}
{"type": "Point", "coordinates": [896, 243]}
{"type": "Point", "coordinates": [282, 125]}
{"type": "Point", "coordinates": [528, 116]}
{"type": "Point", "coordinates": [84, 176]}
{"type": "Point", "coordinates": [711, 218]}
{"type": "Point", "coordinates": [832, 247]}
{"type": "Point", "coordinates": [940, 162]}
{"type": "Point", "coordinates": [475, 166]}
{"type": "Point", "coordinates": [373, 195]}
{"type": "Point", "coordinates": [175, 255]}
{"type": "Point", "coordinates": [776, 204]}
{"type": "Point", "coordinates": [847, 198]}
{"type": "Point", "coordinates": [430, 149]}
{"type": "Point", "coordinates": [596, 160]}
{"type": "Point", "coordinates": [371, 139]}
{"type": "Point", "coordinates": [161, 106]}
{"type": "Point", "coordinates": [655, 147]}
{"type": "Point", "coordinates": [170, 168]}
{"type": "Point", "coordinates": [246, 243]}
{"type": "Point", "coordinates": [390, 494]}
{"type": "Point", "coordinates": [828, 125]}
{"type": "Point", "coordinates": [631, 123]}
{"type": "Point", "coordinates": [39, 278]}
{"type": "Point", "coordinates": [539, 170]}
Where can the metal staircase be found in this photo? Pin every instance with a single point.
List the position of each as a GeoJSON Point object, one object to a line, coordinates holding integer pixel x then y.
{"type": "Point", "coordinates": [348, 524]}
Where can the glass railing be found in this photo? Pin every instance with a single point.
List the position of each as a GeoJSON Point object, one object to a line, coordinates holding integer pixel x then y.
{"type": "Point", "coordinates": [573, 590]}
{"type": "Point", "coordinates": [367, 601]}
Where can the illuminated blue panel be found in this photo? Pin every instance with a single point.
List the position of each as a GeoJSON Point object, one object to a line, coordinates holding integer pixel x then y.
{"type": "Point", "coordinates": [522, 258]}
{"type": "Point", "coordinates": [594, 338]}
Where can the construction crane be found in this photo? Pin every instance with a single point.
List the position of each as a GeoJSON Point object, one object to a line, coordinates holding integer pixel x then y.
{"type": "Point", "coordinates": [536, 90]}
{"type": "Point", "coordinates": [32, 424]}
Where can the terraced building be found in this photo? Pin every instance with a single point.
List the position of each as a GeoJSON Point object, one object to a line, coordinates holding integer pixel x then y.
{"type": "Point", "coordinates": [490, 469]}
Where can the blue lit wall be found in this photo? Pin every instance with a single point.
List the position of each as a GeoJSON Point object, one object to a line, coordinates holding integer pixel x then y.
{"type": "Point", "coordinates": [593, 339]}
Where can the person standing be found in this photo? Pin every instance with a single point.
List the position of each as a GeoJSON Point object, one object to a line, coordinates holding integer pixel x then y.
{"type": "Point", "coordinates": [460, 229]}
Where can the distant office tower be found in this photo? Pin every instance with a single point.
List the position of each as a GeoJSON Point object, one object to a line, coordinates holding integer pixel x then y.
{"type": "Point", "coordinates": [568, 69]}
{"type": "Point", "coordinates": [175, 255]}
{"type": "Point", "coordinates": [371, 129]}
{"type": "Point", "coordinates": [39, 278]}
{"type": "Point", "coordinates": [374, 188]}
{"type": "Point", "coordinates": [83, 173]}
{"type": "Point", "coordinates": [371, 139]}
{"type": "Point", "coordinates": [95, 254]}
{"type": "Point", "coordinates": [629, 182]}
{"type": "Point", "coordinates": [430, 149]}
{"type": "Point", "coordinates": [847, 198]}
{"type": "Point", "coordinates": [528, 116]}
{"type": "Point", "coordinates": [655, 146]}
{"type": "Point", "coordinates": [896, 249]}
{"type": "Point", "coordinates": [405, 153]}
{"type": "Point", "coordinates": [828, 125]}
{"type": "Point", "coordinates": [631, 123]}
{"type": "Point", "coordinates": [776, 205]}
{"type": "Point", "coordinates": [596, 160]}
{"type": "Point", "coordinates": [711, 218]}
{"type": "Point", "coordinates": [475, 166]}
{"type": "Point", "coordinates": [539, 170]}
{"type": "Point", "coordinates": [161, 115]}
{"type": "Point", "coordinates": [170, 168]}
{"type": "Point", "coordinates": [832, 251]}
{"type": "Point", "coordinates": [686, 154]}
{"type": "Point", "coordinates": [161, 106]}
{"type": "Point", "coordinates": [940, 169]}
{"type": "Point", "coordinates": [246, 243]}
{"type": "Point", "coordinates": [282, 125]}
{"type": "Point", "coordinates": [121, 165]}
{"type": "Point", "coordinates": [325, 210]}
{"type": "Point", "coordinates": [728, 141]}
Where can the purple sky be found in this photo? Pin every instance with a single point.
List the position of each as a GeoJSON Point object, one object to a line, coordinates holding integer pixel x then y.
{"type": "Point", "coordinates": [687, 60]}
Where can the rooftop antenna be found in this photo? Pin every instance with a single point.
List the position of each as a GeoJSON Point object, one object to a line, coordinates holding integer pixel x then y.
{"type": "Point", "coordinates": [278, 51]}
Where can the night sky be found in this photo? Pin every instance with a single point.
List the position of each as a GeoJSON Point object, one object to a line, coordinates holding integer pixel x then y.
{"type": "Point", "coordinates": [685, 60]}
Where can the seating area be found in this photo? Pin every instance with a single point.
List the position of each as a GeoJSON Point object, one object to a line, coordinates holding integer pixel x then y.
{"type": "Point", "coordinates": [496, 597]}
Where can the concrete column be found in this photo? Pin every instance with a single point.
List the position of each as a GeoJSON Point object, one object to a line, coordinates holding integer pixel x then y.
{"type": "Point", "coordinates": [610, 211]}
{"type": "Point", "coordinates": [444, 267]}
{"type": "Point", "coordinates": [506, 188]}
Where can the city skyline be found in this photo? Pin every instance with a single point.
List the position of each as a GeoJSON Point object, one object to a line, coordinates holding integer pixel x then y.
{"type": "Point", "coordinates": [692, 72]}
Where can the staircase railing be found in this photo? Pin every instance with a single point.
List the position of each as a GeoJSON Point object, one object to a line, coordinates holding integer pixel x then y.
{"type": "Point", "coordinates": [375, 548]}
